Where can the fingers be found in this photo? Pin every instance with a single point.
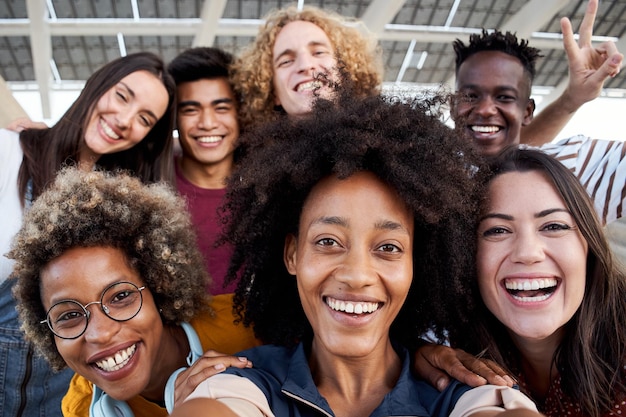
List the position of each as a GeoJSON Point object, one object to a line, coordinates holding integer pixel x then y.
{"type": "Point", "coordinates": [209, 364]}
{"type": "Point", "coordinates": [485, 368]}
{"type": "Point", "coordinates": [423, 364]}
{"type": "Point", "coordinates": [585, 32]}
{"type": "Point", "coordinates": [569, 43]}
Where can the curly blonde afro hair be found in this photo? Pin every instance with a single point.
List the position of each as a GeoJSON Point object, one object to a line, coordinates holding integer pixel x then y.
{"type": "Point", "coordinates": [357, 52]}
{"type": "Point", "coordinates": [148, 223]}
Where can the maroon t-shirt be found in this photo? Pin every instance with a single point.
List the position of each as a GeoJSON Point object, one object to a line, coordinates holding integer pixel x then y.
{"type": "Point", "coordinates": [203, 204]}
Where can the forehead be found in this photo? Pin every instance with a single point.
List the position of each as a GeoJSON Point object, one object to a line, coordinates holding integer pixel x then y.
{"type": "Point", "coordinates": [297, 34]}
{"type": "Point", "coordinates": [492, 68]}
{"type": "Point", "coordinates": [361, 195]}
{"type": "Point", "coordinates": [204, 89]}
{"type": "Point", "coordinates": [523, 189]}
{"type": "Point", "coordinates": [83, 272]}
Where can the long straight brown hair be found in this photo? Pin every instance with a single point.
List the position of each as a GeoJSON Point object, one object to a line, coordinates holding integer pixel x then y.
{"type": "Point", "coordinates": [47, 150]}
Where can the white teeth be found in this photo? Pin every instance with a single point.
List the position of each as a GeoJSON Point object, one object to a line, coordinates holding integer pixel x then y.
{"type": "Point", "coordinates": [311, 85]}
{"type": "Point", "coordinates": [108, 131]}
{"type": "Point", "coordinates": [528, 285]}
{"type": "Point", "coordinates": [209, 139]}
{"type": "Point", "coordinates": [532, 299]}
{"type": "Point", "coordinates": [117, 361]}
{"type": "Point", "coordinates": [531, 285]}
{"type": "Point", "coordinates": [350, 307]}
{"type": "Point", "coordinates": [485, 129]}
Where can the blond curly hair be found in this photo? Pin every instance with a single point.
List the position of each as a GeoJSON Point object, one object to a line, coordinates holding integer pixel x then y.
{"type": "Point", "coordinates": [357, 52]}
{"type": "Point", "coordinates": [148, 223]}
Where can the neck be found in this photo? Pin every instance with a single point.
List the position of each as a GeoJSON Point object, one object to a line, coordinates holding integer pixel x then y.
{"type": "Point", "coordinates": [355, 386]}
{"type": "Point", "coordinates": [209, 176]}
{"type": "Point", "coordinates": [172, 354]}
{"type": "Point", "coordinates": [537, 362]}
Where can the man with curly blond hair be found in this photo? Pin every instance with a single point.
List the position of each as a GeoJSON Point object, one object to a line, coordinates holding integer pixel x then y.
{"type": "Point", "coordinates": [295, 57]}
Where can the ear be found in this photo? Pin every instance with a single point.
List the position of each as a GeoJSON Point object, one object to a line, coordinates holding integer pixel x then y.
{"type": "Point", "coordinates": [529, 112]}
{"type": "Point", "coordinates": [290, 253]}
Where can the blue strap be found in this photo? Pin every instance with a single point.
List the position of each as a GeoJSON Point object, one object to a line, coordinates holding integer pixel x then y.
{"type": "Point", "coordinates": [194, 354]}
{"type": "Point", "coordinates": [103, 405]}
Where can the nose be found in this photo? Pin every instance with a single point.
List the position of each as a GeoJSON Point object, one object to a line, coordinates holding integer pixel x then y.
{"type": "Point", "coordinates": [123, 119]}
{"type": "Point", "coordinates": [357, 269]}
{"type": "Point", "coordinates": [305, 62]}
{"type": "Point", "coordinates": [207, 120]}
{"type": "Point", "coordinates": [528, 248]}
{"type": "Point", "coordinates": [100, 327]}
{"type": "Point", "coordinates": [485, 107]}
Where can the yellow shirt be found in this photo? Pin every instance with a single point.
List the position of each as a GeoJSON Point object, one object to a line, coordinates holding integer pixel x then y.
{"type": "Point", "coordinates": [216, 332]}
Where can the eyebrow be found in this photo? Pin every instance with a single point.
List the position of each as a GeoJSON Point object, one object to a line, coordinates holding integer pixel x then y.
{"type": "Point", "coordinates": [290, 51]}
{"type": "Point", "coordinates": [132, 94]}
{"type": "Point", "coordinates": [341, 221]}
{"type": "Point", "coordinates": [478, 87]}
{"type": "Point", "coordinates": [539, 215]}
{"type": "Point", "coordinates": [213, 103]}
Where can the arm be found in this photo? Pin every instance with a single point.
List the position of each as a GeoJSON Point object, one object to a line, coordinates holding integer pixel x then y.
{"type": "Point", "coordinates": [24, 123]}
{"type": "Point", "coordinates": [437, 364]}
{"type": "Point", "coordinates": [211, 363]}
{"type": "Point", "coordinates": [507, 413]}
{"type": "Point", "coordinates": [203, 407]}
{"type": "Point", "coordinates": [589, 67]}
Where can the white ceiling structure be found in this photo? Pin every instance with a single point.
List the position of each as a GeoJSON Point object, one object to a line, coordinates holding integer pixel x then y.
{"type": "Point", "coordinates": [50, 45]}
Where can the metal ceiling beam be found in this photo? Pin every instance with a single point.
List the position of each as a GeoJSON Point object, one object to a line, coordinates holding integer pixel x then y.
{"type": "Point", "coordinates": [381, 12]}
{"type": "Point", "coordinates": [232, 27]}
{"type": "Point", "coordinates": [41, 50]}
{"type": "Point", "coordinates": [128, 27]}
{"type": "Point", "coordinates": [532, 16]}
{"type": "Point", "coordinates": [212, 11]}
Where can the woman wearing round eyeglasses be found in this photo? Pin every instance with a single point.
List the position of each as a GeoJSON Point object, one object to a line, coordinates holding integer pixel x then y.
{"type": "Point", "coordinates": [111, 285]}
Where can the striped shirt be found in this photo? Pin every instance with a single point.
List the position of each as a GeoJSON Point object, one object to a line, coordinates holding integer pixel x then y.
{"type": "Point", "coordinates": [600, 165]}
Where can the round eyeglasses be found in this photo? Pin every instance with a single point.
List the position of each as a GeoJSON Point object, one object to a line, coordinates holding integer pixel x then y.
{"type": "Point", "coordinates": [68, 319]}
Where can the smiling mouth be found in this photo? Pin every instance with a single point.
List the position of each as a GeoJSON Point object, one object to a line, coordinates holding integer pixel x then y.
{"type": "Point", "coordinates": [533, 290]}
{"type": "Point", "coordinates": [108, 131]}
{"type": "Point", "coordinates": [309, 86]}
{"type": "Point", "coordinates": [352, 307]}
{"type": "Point", "coordinates": [485, 129]}
{"type": "Point", "coordinates": [209, 139]}
{"type": "Point", "coordinates": [117, 361]}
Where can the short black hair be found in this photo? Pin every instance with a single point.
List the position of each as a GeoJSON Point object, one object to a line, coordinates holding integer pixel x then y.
{"type": "Point", "coordinates": [199, 63]}
{"type": "Point", "coordinates": [507, 43]}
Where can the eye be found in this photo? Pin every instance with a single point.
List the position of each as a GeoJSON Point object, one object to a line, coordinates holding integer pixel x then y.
{"type": "Point", "coordinates": [495, 231]}
{"type": "Point", "coordinates": [327, 241]}
{"type": "Point", "coordinates": [389, 248]}
{"type": "Point", "coordinates": [284, 62]}
{"type": "Point", "coordinates": [223, 109]}
{"type": "Point", "coordinates": [123, 298]}
{"type": "Point", "coordinates": [506, 98]}
{"type": "Point", "coordinates": [556, 227]}
{"type": "Point", "coordinates": [187, 110]}
{"type": "Point", "coordinates": [122, 96]}
{"type": "Point", "coordinates": [468, 97]}
{"type": "Point", "coordinates": [145, 121]}
{"type": "Point", "coordinates": [69, 315]}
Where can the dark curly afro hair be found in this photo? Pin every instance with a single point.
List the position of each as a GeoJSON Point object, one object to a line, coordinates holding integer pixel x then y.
{"type": "Point", "coordinates": [149, 224]}
{"type": "Point", "coordinates": [404, 144]}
